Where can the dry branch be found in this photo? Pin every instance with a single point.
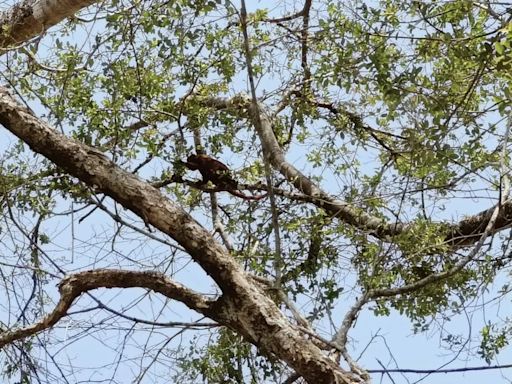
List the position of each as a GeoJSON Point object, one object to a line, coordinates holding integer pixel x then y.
{"type": "Point", "coordinates": [74, 285]}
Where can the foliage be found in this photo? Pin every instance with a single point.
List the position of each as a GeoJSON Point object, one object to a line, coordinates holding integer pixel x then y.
{"type": "Point", "coordinates": [398, 110]}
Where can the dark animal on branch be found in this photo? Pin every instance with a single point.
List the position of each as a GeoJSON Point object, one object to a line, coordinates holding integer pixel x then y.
{"type": "Point", "coordinates": [218, 173]}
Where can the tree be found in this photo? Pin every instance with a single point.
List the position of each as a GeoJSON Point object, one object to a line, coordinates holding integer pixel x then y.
{"type": "Point", "coordinates": [365, 123]}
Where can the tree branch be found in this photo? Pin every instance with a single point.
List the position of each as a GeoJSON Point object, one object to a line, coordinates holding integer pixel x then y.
{"type": "Point", "coordinates": [28, 19]}
{"type": "Point", "coordinates": [244, 306]}
{"type": "Point", "coordinates": [74, 285]}
{"type": "Point", "coordinates": [458, 235]}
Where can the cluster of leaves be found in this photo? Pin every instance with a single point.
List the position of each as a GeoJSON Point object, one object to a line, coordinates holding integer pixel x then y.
{"type": "Point", "coordinates": [227, 359]}
{"type": "Point", "coordinates": [424, 83]}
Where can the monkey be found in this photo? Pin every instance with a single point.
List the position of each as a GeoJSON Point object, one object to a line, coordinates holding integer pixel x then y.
{"type": "Point", "coordinates": [218, 173]}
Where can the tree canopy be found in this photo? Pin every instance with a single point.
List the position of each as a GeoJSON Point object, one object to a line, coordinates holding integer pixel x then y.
{"type": "Point", "coordinates": [375, 134]}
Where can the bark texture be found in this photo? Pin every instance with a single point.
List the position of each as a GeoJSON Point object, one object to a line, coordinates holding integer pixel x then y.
{"type": "Point", "coordinates": [243, 306]}
{"type": "Point", "coordinates": [29, 18]}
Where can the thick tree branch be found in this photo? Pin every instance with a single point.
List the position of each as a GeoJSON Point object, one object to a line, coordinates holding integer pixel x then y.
{"type": "Point", "coordinates": [28, 19]}
{"type": "Point", "coordinates": [469, 230]}
{"type": "Point", "coordinates": [74, 285]}
{"type": "Point", "coordinates": [336, 208]}
{"type": "Point", "coordinates": [244, 307]}
{"type": "Point", "coordinates": [458, 235]}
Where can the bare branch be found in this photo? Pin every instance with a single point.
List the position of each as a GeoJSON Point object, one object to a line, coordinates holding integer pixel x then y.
{"type": "Point", "coordinates": [26, 20]}
{"type": "Point", "coordinates": [304, 42]}
{"type": "Point", "coordinates": [440, 370]}
{"type": "Point", "coordinates": [74, 285]}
